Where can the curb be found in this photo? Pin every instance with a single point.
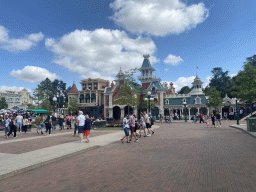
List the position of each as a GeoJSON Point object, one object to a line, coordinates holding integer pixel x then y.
{"type": "Point", "coordinates": [30, 167]}
{"type": "Point", "coordinates": [243, 131]}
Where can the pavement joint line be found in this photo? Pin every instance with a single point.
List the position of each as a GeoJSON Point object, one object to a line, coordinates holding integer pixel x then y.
{"type": "Point", "coordinates": [43, 163]}
{"type": "Point", "coordinates": [239, 128]}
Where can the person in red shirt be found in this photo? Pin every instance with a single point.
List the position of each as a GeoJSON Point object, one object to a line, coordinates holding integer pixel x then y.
{"type": "Point", "coordinates": [201, 118]}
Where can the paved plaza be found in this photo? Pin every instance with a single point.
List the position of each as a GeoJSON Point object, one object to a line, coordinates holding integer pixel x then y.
{"type": "Point", "coordinates": [178, 157]}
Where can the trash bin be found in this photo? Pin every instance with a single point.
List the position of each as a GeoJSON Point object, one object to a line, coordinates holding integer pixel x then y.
{"type": "Point", "coordinates": [251, 124]}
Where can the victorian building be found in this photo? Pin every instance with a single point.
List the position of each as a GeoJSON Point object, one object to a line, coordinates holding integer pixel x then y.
{"type": "Point", "coordinates": [91, 97]}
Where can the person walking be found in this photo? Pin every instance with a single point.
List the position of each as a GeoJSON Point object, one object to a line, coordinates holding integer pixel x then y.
{"type": "Point", "coordinates": [132, 127]}
{"type": "Point", "coordinates": [213, 120]}
{"type": "Point", "coordinates": [151, 120]}
{"type": "Point", "coordinates": [87, 127]}
{"type": "Point", "coordinates": [68, 120]}
{"type": "Point", "coordinates": [7, 128]}
{"type": "Point", "coordinates": [126, 129]}
{"type": "Point", "coordinates": [53, 119]}
{"type": "Point", "coordinates": [37, 122]}
{"type": "Point", "coordinates": [61, 121]}
{"type": "Point", "coordinates": [13, 128]}
{"type": "Point", "coordinates": [42, 125]}
{"type": "Point", "coordinates": [75, 121]}
{"type": "Point", "coordinates": [170, 118]}
{"type": "Point", "coordinates": [201, 118]}
{"type": "Point", "coordinates": [218, 119]}
{"type": "Point", "coordinates": [161, 118]}
{"type": "Point", "coordinates": [30, 124]}
{"type": "Point", "coordinates": [19, 122]}
{"type": "Point", "coordinates": [48, 125]}
{"type": "Point", "coordinates": [146, 117]}
{"type": "Point", "coordinates": [80, 128]}
{"type": "Point", "coordinates": [25, 123]}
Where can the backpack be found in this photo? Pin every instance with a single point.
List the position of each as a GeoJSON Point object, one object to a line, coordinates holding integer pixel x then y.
{"type": "Point", "coordinates": [47, 124]}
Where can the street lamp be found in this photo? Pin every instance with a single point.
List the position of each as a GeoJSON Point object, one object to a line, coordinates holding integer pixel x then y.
{"type": "Point", "coordinates": [54, 102]}
{"type": "Point", "coordinates": [185, 105]}
{"type": "Point", "coordinates": [149, 93]}
{"type": "Point", "coordinates": [63, 110]}
{"type": "Point", "coordinates": [237, 117]}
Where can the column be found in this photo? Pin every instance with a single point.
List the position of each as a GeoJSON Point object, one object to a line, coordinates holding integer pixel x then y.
{"type": "Point", "coordinates": [135, 111]}
{"type": "Point", "coordinates": [122, 112]}
{"type": "Point", "coordinates": [161, 102]}
{"type": "Point", "coordinates": [110, 112]}
{"type": "Point", "coordinates": [198, 109]}
{"type": "Point", "coordinates": [189, 113]}
{"type": "Point", "coordinates": [208, 111]}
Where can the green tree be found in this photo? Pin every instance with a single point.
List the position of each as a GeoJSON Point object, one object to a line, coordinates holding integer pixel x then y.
{"type": "Point", "coordinates": [128, 90]}
{"type": "Point", "coordinates": [214, 98]}
{"type": "Point", "coordinates": [251, 60]}
{"type": "Point", "coordinates": [185, 90]}
{"type": "Point", "coordinates": [221, 81]}
{"type": "Point", "coordinates": [245, 84]}
{"type": "Point", "coordinates": [3, 103]}
{"type": "Point", "coordinates": [38, 95]}
{"type": "Point", "coordinates": [46, 105]}
{"type": "Point", "coordinates": [73, 106]}
{"type": "Point", "coordinates": [144, 104]}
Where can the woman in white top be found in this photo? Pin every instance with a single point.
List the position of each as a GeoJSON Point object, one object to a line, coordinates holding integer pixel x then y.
{"type": "Point", "coordinates": [142, 124]}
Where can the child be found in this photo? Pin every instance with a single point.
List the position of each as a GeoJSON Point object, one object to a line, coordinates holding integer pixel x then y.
{"type": "Point", "coordinates": [207, 121]}
{"type": "Point", "coordinates": [30, 124]}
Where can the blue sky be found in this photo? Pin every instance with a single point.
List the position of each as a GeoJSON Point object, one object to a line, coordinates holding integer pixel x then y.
{"type": "Point", "coordinates": [63, 39]}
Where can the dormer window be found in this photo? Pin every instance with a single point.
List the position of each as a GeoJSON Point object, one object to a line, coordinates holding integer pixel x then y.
{"type": "Point", "coordinates": [198, 100]}
{"type": "Point", "coordinates": [84, 86]}
{"type": "Point", "coordinates": [153, 90]}
{"type": "Point", "coordinates": [184, 100]}
{"type": "Point", "coordinates": [166, 101]}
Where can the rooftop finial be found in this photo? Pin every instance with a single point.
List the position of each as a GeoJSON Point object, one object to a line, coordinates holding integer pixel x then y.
{"type": "Point", "coordinates": [73, 78]}
{"type": "Point", "coordinates": [146, 56]}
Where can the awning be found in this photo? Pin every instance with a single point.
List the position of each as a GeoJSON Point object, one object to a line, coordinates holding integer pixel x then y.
{"type": "Point", "coordinates": [39, 110]}
{"type": "Point", "coordinates": [87, 96]}
{"type": "Point", "coordinates": [93, 96]}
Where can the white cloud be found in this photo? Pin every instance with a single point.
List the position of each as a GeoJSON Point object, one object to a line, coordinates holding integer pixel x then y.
{"type": "Point", "coordinates": [166, 69]}
{"type": "Point", "coordinates": [207, 81]}
{"type": "Point", "coordinates": [13, 88]}
{"type": "Point", "coordinates": [232, 75]}
{"type": "Point", "coordinates": [183, 81]}
{"type": "Point", "coordinates": [32, 74]}
{"type": "Point", "coordinates": [101, 52]}
{"type": "Point", "coordinates": [158, 17]}
{"type": "Point", "coordinates": [173, 60]}
{"type": "Point", "coordinates": [21, 44]}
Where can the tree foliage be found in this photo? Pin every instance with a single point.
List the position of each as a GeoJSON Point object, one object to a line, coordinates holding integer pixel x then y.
{"type": "Point", "coordinates": [144, 104]}
{"type": "Point", "coordinates": [245, 83]}
{"type": "Point", "coordinates": [214, 98]}
{"type": "Point", "coordinates": [128, 90]}
{"type": "Point", "coordinates": [185, 90]}
{"type": "Point", "coordinates": [3, 103]}
{"type": "Point", "coordinates": [221, 81]}
{"type": "Point", "coordinates": [73, 106]}
{"type": "Point", "coordinates": [46, 105]}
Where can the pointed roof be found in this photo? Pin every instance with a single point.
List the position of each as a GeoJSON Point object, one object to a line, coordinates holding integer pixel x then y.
{"type": "Point", "coordinates": [120, 74]}
{"type": "Point", "coordinates": [73, 89]}
{"type": "Point", "coordinates": [197, 81]}
{"type": "Point", "coordinates": [146, 63]}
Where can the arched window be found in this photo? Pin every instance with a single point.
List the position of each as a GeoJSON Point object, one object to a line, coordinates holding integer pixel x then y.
{"type": "Point", "coordinates": [198, 100]}
{"type": "Point", "coordinates": [87, 98]}
{"type": "Point", "coordinates": [81, 98]}
{"type": "Point", "coordinates": [153, 90]}
{"type": "Point", "coordinates": [93, 98]}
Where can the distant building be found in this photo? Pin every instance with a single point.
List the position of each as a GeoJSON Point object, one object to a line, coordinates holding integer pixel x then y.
{"type": "Point", "coordinates": [17, 99]}
{"type": "Point", "coordinates": [91, 97]}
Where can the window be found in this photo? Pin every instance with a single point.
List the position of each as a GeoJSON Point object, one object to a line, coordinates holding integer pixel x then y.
{"type": "Point", "coordinates": [153, 90]}
{"type": "Point", "coordinates": [166, 101]}
{"type": "Point", "coordinates": [198, 100]}
{"type": "Point", "coordinates": [87, 98]}
{"type": "Point", "coordinates": [84, 86]}
{"type": "Point", "coordinates": [95, 86]}
{"type": "Point", "coordinates": [93, 98]}
{"type": "Point", "coordinates": [81, 98]}
{"type": "Point", "coordinates": [90, 86]}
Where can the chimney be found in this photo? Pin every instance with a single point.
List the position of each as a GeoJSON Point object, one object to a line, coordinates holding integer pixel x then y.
{"type": "Point", "coordinates": [112, 85]}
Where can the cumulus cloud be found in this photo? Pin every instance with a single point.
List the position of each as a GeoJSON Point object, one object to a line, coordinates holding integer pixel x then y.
{"type": "Point", "coordinates": [32, 74]}
{"type": "Point", "coordinates": [13, 88]}
{"type": "Point", "coordinates": [101, 52]}
{"type": "Point", "coordinates": [158, 17]}
{"type": "Point", "coordinates": [21, 44]}
{"type": "Point", "coordinates": [173, 60]}
{"type": "Point", "coordinates": [183, 81]}
{"type": "Point", "coordinates": [208, 79]}
{"type": "Point", "coordinates": [233, 75]}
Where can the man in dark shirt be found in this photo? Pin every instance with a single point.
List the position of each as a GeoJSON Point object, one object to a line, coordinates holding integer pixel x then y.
{"type": "Point", "coordinates": [218, 119]}
{"type": "Point", "coordinates": [54, 119]}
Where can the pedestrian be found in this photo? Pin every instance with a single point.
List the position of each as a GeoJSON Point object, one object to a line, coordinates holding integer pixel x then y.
{"type": "Point", "coordinates": [147, 123]}
{"type": "Point", "coordinates": [7, 128]}
{"type": "Point", "coordinates": [37, 122]}
{"type": "Point", "coordinates": [132, 127]}
{"type": "Point", "coordinates": [207, 121]}
{"type": "Point", "coordinates": [68, 120]}
{"type": "Point", "coordinates": [13, 127]}
{"type": "Point", "coordinates": [30, 124]}
{"type": "Point", "coordinates": [75, 121]}
{"type": "Point", "coordinates": [25, 123]}
{"type": "Point", "coordinates": [151, 122]}
{"type": "Point", "coordinates": [136, 126]}
{"type": "Point", "coordinates": [170, 118]}
{"type": "Point", "coordinates": [218, 119]}
{"type": "Point", "coordinates": [61, 122]}
{"type": "Point", "coordinates": [42, 125]}
{"type": "Point", "coordinates": [53, 119]}
{"type": "Point", "coordinates": [87, 127]}
{"type": "Point", "coordinates": [161, 118]}
{"type": "Point", "coordinates": [80, 128]}
{"type": "Point", "coordinates": [201, 118]}
{"type": "Point", "coordinates": [48, 125]}
{"type": "Point", "coordinates": [213, 120]}
{"type": "Point", "coordinates": [142, 123]}
{"type": "Point", "coordinates": [19, 122]}
{"type": "Point", "coordinates": [126, 129]}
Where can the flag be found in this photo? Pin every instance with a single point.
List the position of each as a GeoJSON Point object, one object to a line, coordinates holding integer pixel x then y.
{"type": "Point", "coordinates": [197, 68]}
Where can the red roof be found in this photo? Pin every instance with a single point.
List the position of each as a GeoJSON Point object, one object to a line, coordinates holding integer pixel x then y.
{"type": "Point", "coordinates": [73, 89]}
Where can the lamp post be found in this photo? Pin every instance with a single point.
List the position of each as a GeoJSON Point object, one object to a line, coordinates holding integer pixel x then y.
{"type": "Point", "coordinates": [149, 93]}
{"type": "Point", "coordinates": [54, 103]}
{"type": "Point", "coordinates": [185, 105]}
{"type": "Point", "coordinates": [63, 110]}
{"type": "Point", "coordinates": [237, 117]}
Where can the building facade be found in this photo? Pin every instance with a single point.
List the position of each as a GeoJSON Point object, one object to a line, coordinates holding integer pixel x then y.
{"type": "Point", "coordinates": [17, 99]}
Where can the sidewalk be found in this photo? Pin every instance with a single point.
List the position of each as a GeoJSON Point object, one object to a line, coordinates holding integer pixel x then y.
{"type": "Point", "coordinates": [243, 127]}
{"type": "Point", "coordinates": [14, 164]}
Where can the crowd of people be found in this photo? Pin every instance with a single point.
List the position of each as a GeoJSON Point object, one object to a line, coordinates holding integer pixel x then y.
{"type": "Point", "coordinates": [131, 125]}
{"type": "Point", "coordinates": [45, 124]}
